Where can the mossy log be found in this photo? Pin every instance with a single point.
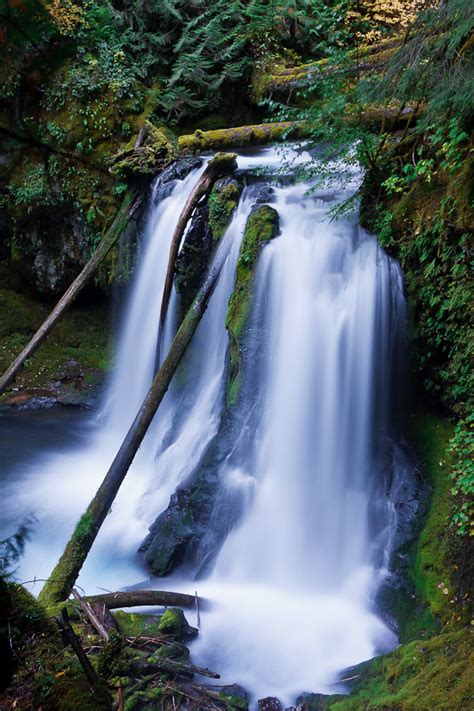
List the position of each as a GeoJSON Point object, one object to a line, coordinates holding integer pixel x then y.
{"type": "Point", "coordinates": [281, 78]}
{"type": "Point", "coordinates": [221, 164]}
{"type": "Point", "coordinates": [157, 666]}
{"type": "Point", "coordinates": [262, 225]}
{"type": "Point", "coordinates": [60, 583]}
{"type": "Point", "coordinates": [265, 133]}
{"type": "Point", "coordinates": [127, 210]}
{"type": "Point", "coordinates": [251, 135]}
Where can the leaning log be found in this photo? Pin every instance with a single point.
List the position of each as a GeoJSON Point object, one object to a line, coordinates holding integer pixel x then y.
{"type": "Point", "coordinates": [60, 583]}
{"type": "Point", "coordinates": [127, 210]}
{"type": "Point", "coordinates": [222, 164]}
{"type": "Point", "coordinates": [138, 598]}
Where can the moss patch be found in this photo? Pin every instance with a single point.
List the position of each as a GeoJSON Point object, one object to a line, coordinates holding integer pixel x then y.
{"type": "Point", "coordinates": [430, 568]}
{"type": "Point", "coordinates": [70, 362]}
{"type": "Point", "coordinates": [261, 227]}
{"type": "Point", "coordinates": [47, 675]}
{"type": "Point", "coordinates": [240, 136]}
{"type": "Point", "coordinates": [420, 676]}
{"type": "Point", "coordinates": [222, 202]}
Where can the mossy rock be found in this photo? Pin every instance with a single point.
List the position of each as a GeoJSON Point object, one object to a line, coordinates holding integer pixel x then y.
{"type": "Point", "coordinates": [223, 201]}
{"type": "Point", "coordinates": [262, 226]}
{"type": "Point", "coordinates": [148, 154]}
{"type": "Point", "coordinates": [175, 624]}
{"type": "Point", "coordinates": [133, 624]}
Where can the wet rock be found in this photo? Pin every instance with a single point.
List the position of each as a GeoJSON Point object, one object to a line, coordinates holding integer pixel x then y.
{"type": "Point", "coordinates": [236, 695]}
{"type": "Point", "coordinates": [181, 526]}
{"type": "Point", "coordinates": [194, 258]}
{"type": "Point", "coordinates": [174, 623]}
{"type": "Point", "coordinates": [260, 193]}
{"type": "Point", "coordinates": [50, 248]}
{"type": "Point", "coordinates": [271, 703]}
{"type": "Point", "coordinates": [223, 201]}
{"type": "Point", "coordinates": [262, 226]}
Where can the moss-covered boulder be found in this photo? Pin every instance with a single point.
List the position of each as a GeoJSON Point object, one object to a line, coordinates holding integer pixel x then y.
{"type": "Point", "coordinates": [179, 529]}
{"type": "Point", "coordinates": [223, 201]}
{"type": "Point", "coordinates": [148, 154]}
{"type": "Point", "coordinates": [175, 624]}
{"type": "Point", "coordinates": [262, 226]}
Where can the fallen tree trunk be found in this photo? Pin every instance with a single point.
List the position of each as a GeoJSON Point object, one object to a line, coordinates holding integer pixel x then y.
{"type": "Point", "coordinates": [221, 164]}
{"type": "Point", "coordinates": [137, 598]}
{"type": "Point", "coordinates": [168, 665]}
{"type": "Point", "coordinates": [251, 135]}
{"type": "Point", "coordinates": [128, 208]}
{"type": "Point", "coordinates": [60, 583]}
{"type": "Point", "coordinates": [288, 130]}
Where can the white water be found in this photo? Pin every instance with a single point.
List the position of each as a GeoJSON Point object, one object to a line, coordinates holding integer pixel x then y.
{"type": "Point", "coordinates": [294, 583]}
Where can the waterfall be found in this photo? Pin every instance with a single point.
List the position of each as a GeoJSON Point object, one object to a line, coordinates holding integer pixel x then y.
{"type": "Point", "coordinates": [308, 476]}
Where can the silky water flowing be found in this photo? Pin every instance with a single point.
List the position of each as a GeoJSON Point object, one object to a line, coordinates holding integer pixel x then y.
{"type": "Point", "coordinates": [307, 486]}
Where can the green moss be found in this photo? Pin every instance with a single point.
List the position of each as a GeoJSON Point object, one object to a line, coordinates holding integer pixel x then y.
{"type": "Point", "coordinates": [420, 676]}
{"type": "Point", "coordinates": [239, 136]}
{"type": "Point", "coordinates": [431, 568]}
{"type": "Point", "coordinates": [222, 202]}
{"type": "Point", "coordinates": [136, 625]}
{"type": "Point", "coordinates": [48, 675]}
{"type": "Point", "coordinates": [73, 358]}
{"type": "Point", "coordinates": [174, 623]}
{"type": "Point", "coordinates": [261, 227]}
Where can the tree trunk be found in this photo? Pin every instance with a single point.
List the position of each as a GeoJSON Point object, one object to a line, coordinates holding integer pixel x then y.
{"type": "Point", "coordinates": [128, 208]}
{"type": "Point", "coordinates": [60, 583]}
{"type": "Point", "coordinates": [221, 164]}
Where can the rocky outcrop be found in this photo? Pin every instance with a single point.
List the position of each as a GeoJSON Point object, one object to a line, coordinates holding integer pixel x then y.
{"type": "Point", "coordinates": [262, 226]}
{"type": "Point", "coordinates": [193, 260]}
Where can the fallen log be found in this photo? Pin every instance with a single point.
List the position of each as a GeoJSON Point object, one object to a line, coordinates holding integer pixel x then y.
{"type": "Point", "coordinates": [138, 598]}
{"type": "Point", "coordinates": [59, 585]}
{"type": "Point", "coordinates": [251, 135]}
{"type": "Point", "coordinates": [222, 164]}
{"type": "Point", "coordinates": [127, 210]}
{"type": "Point", "coordinates": [167, 665]}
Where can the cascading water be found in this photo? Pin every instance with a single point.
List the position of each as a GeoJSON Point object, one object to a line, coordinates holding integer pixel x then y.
{"type": "Point", "coordinates": [294, 583]}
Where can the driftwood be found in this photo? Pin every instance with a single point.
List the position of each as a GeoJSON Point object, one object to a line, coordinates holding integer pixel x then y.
{"type": "Point", "coordinates": [137, 598]}
{"type": "Point", "coordinates": [128, 208]}
{"type": "Point", "coordinates": [168, 665]}
{"type": "Point", "coordinates": [59, 585]}
{"type": "Point", "coordinates": [221, 164]}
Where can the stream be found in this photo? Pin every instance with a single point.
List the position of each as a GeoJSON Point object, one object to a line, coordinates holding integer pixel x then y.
{"type": "Point", "coordinates": [307, 464]}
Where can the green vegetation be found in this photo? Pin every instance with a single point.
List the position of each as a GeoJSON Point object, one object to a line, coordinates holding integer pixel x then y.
{"type": "Point", "coordinates": [261, 227]}
{"type": "Point", "coordinates": [388, 83]}
{"type": "Point", "coordinates": [69, 363]}
{"type": "Point", "coordinates": [420, 676]}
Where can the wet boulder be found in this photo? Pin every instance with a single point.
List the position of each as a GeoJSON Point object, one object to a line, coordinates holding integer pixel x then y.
{"type": "Point", "coordinates": [174, 623]}
{"type": "Point", "coordinates": [271, 703]}
{"type": "Point", "coordinates": [193, 260]}
{"type": "Point", "coordinates": [179, 529]}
